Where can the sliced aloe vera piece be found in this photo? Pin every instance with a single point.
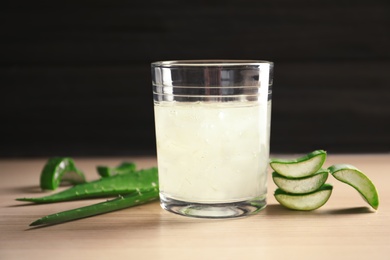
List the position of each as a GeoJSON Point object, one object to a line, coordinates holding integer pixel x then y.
{"type": "Point", "coordinates": [352, 176]}
{"type": "Point", "coordinates": [308, 201]}
{"type": "Point", "coordinates": [301, 185]}
{"type": "Point", "coordinates": [301, 167]}
{"type": "Point", "coordinates": [125, 167]}
{"type": "Point", "coordinates": [58, 170]}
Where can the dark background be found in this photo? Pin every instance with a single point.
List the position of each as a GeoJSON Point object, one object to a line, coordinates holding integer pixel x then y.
{"type": "Point", "coordinates": [75, 75]}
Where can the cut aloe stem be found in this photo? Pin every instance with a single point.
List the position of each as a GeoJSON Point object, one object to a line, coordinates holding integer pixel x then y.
{"type": "Point", "coordinates": [125, 167]}
{"type": "Point", "coordinates": [301, 185]}
{"type": "Point", "coordinates": [301, 167]}
{"type": "Point", "coordinates": [58, 170]}
{"type": "Point", "coordinates": [308, 201]}
{"type": "Point", "coordinates": [352, 176]}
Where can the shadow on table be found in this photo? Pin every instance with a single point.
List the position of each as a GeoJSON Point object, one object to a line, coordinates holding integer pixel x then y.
{"type": "Point", "coordinates": [152, 217]}
{"type": "Point", "coordinates": [278, 210]}
{"type": "Point", "coordinates": [25, 189]}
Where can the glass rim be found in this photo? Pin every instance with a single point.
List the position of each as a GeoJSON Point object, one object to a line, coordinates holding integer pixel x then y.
{"type": "Point", "coordinates": [209, 63]}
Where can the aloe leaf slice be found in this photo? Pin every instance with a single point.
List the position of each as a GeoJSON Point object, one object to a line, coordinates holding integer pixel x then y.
{"type": "Point", "coordinates": [301, 185]}
{"type": "Point", "coordinates": [58, 170]}
{"type": "Point", "coordinates": [301, 167]}
{"type": "Point", "coordinates": [125, 167]}
{"type": "Point", "coordinates": [308, 201]}
{"type": "Point", "coordinates": [352, 176]}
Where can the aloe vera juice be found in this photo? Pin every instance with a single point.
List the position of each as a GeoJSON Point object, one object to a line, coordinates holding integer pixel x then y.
{"type": "Point", "coordinates": [212, 152]}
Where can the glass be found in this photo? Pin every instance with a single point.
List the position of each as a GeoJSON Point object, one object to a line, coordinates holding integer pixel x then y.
{"type": "Point", "coordinates": [212, 120]}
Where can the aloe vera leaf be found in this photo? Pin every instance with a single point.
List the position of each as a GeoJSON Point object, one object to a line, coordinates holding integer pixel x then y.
{"type": "Point", "coordinates": [301, 185]}
{"type": "Point", "coordinates": [306, 202]}
{"type": "Point", "coordinates": [122, 202]}
{"type": "Point", "coordinates": [125, 167]}
{"type": "Point", "coordinates": [105, 187]}
{"type": "Point", "coordinates": [58, 170]}
{"type": "Point", "coordinates": [301, 167]}
{"type": "Point", "coordinates": [352, 176]}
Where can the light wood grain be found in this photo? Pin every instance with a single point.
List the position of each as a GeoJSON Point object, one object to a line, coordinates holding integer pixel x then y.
{"type": "Point", "coordinates": [344, 228]}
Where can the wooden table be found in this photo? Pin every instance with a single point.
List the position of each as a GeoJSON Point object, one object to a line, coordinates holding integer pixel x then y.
{"type": "Point", "coordinates": [344, 228]}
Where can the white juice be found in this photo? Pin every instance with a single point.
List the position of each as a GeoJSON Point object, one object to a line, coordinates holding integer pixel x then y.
{"type": "Point", "coordinates": [212, 152]}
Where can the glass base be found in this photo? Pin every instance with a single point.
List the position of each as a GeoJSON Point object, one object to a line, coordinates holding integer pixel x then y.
{"type": "Point", "coordinates": [213, 210]}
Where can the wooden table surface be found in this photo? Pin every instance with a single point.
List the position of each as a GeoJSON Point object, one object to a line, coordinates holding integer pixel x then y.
{"type": "Point", "coordinates": [345, 227]}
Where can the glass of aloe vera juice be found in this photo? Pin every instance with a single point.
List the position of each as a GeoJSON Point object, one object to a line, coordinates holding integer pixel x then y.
{"type": "Point", "coordinates": [212, 122]}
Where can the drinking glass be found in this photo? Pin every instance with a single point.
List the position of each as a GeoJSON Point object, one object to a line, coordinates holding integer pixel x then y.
{"type": "Point", "coordinates": [212, 122]}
